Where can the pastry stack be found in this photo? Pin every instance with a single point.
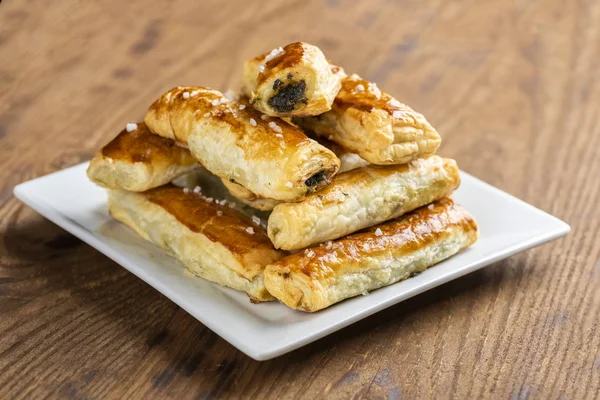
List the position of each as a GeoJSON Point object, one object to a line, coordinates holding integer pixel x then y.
{"type": "Point", "coordinates": [310, 187]}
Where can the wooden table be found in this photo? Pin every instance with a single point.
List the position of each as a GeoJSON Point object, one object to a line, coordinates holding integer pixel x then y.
{"type": "Point", "coordinates": [514, 89]}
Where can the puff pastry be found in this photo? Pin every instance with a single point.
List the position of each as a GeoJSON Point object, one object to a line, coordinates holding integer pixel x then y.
{"type": "Point", "coordinates": [374, 125]}
{"type": "Point", "coordinates": [247, 197]}
{"type": "Point", "coordinates": [361, 198]}
{"type": "Point", "coordinates": [138, 161]}
{"type": "Point", "coordinates": [348, 160]}
{"type": "Point", "coordinates": [295, 80]}
{"type": "Point", "coordinates": [214, 242]}
{"type": "Point", "coordinates": [267, 156]}
{"type": "Point", "coordinates": [321, 276]}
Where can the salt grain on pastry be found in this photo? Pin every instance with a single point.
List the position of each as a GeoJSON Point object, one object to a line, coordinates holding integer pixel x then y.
{"type": "Point", "coordinates": [130, 127]}
{"type": "Point", "coordinates": [275, 127]}
{"type": "Point", "coordinates": [256, 220]}
{"type": "Point", "coordinates": [289, 185]}
{"type": "Point", "coordinates": [219, 213]}
{"type": "Point", "coordinates": [398, 114]}
{"type": "Point", "coordinates": [186, 190]}
{"type": "Point", "coordinates": [252, 122]}
{"type": "Point", "coordinates": [209, 199]}
{"type": "Point", "coordinates": [378, 232]}
{"type": "Point", "coordinates": [197, 189]}
{"type": "Point", "coordinates": [273, 54]}
{"type": "Point", "coordinates": [242, 106]}
{"type": "Point", "coordinates": [186, 95]}
{"type": "Point", "coordinates": [250, 230]}
{"type": "Point", "coordinates": [230, 94]}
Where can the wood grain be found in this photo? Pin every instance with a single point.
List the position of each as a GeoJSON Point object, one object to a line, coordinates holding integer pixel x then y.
{"type": "Point", "coordinates": [514, 89]}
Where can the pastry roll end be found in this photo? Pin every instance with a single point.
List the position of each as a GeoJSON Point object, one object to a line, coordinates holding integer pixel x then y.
{"type": "Point", "coordinates": [294, 80]}
{"type": "Point", "coordinates": [138, 160]}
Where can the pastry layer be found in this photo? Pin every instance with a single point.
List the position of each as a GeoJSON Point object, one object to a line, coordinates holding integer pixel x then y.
{"type": "Point", "coordinates": [247, 197]}
{"type": "Point", "coordinates": [214, 242]}
{"type": "Point", "coordinates": [318, 277]}
{"type": "Point", "coordinates": [361, 198]}
{"type": "Point", "coordinates": [267, 156]}
{"type": "Point", "coordinates": [138, 161]}
{"type": "Point", "coordinates": [374, 125]}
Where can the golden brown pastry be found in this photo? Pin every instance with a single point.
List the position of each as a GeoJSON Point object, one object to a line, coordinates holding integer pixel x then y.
{"type": "Point", "coordinates": [374, 125]}
{"type": "Point", "coordinates": [267, 156]}
{"type": "Point", "coordinates": [137, 160]}
{"type": "Point", "coordinates": [361, 198]}
{"type": "Point", "coordinates": [247, 197]}
{"type": "Point", "coordinates": [380, 256]}
{"type": "Point", "coordinates": [294, 80]}
{"type": "Point", "coordinates": [213, 241]}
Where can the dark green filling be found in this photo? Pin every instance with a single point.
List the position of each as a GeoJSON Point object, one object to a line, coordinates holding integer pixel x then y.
{"type": "Point", "coordinates": [288, 96]}
{"type": "Point", "coordinates": [315, 179]}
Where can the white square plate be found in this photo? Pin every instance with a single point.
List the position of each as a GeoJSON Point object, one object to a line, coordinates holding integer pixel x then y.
{"type": "Point", "coordinates": [267, 330]}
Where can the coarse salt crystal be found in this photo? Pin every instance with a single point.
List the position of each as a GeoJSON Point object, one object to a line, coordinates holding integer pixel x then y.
{"type": "Point", "coordinates": [309, 253]}
{"type": "Point", "coordinates": [209, 199]}
{"type": "Point", "coordinates": [197, 189]}
{"type": "Point", "coordinates": [130, 127]}
{"type": "Point", "coordinates": [242, 106]}
{"type": "Point", "coordinates": [252, 122]}
{"type": "Point", "coordinates": [289, 185]}
{"type": "Point", "coordinates": [256, 220]}
{"type": "Point", "coordinates": [215, 102]}
{"type": "Point", "coordinates": [279, 135]}
{"type": "Point", "coordinates": [430, 206]}
{"type": "Point", "coordinates": [398, 114]}
{"type": "Point", "coordinates": [273, 54]}
{"type": "Point", "coordinates": [261, 67]}
{"type": "Point", "coordinates": [186, 190]}
{"type": "Point", "coordinates": [186, 95]}
{"type": "Point", "coordinates": [250, 230]}
{"type": "Point", "coordinates": [195, 92]}
{"type": "Point", "coordinates": [378, 232]}
{"type": "Point", "coordinates": [230, 94]}
{"type": "Point", "coordinates": [219, 213]}
{"type": "Point", "coordinates": [360, 87]}
{"type": "Point", "coordinates": [275, 127]}
{"type": "Point", "coordinates": [328, 245]}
